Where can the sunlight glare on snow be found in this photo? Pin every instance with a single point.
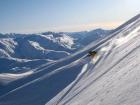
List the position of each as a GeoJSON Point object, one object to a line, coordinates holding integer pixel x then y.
{"type": "Point", "coordinates": [122, 40]}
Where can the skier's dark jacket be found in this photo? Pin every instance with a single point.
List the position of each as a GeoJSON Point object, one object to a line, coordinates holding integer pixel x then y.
{"type": "Point", "coordinates": [92, 53]}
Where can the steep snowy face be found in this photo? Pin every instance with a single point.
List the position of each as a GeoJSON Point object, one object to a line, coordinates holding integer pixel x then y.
{"type": "Point", "coordinates": [61, 39]}
{"type": "Point", "coordinates": [114, 78]}
{"type": "Point", "coordinates": [36, 45]}
{"type": "Point", "coordinates": [7, 46]}
{"type": "Point", "coordinates": [66, 41]}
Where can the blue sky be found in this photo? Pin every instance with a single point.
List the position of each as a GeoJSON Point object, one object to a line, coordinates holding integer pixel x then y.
{"type": "Point", "coordinates": [64, 15]}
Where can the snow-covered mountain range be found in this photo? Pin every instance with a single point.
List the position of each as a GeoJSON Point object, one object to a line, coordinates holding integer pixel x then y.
{"type": "Point", "coordinates": [27, 51]}
{"type": "Point", "coordinates": [111, 78]}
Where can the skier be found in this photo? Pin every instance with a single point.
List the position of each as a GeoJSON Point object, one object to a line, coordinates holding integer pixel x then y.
{"type": "Point", "coordinates": [92, 54]}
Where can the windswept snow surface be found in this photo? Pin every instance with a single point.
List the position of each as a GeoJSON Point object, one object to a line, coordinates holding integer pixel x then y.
{"type": "Point", "coordinates": [112, 78]}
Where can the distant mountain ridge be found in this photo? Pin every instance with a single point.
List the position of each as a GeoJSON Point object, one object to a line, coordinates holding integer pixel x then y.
{"type": "Point", "coordinates": [18, 49]}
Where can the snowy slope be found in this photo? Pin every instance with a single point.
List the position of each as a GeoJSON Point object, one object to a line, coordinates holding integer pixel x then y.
{"type": "Point", "coordinates": [112, 78]}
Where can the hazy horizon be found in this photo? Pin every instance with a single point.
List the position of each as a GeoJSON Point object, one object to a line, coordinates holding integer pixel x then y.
{"type": "Point", "coordinates": [28, 16]}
